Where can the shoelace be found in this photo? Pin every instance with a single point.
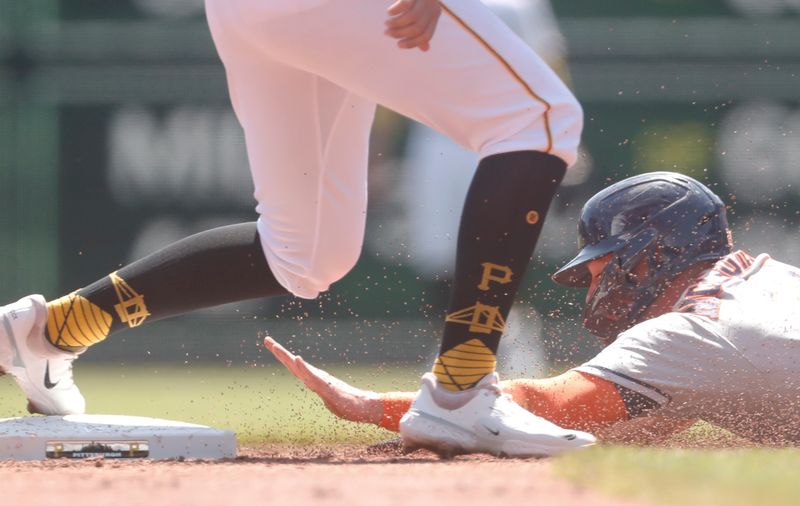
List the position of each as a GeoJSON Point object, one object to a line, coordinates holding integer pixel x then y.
{"type": "Point", "coordinates": [495, 389]}
{"type": "Point", "coordinates": [511, 407]}
{"type": "Point", "coordinates": [505, 402]}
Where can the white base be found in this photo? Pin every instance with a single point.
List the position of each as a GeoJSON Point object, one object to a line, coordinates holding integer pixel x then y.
{"type": "Point", "coordinates": [110, 436]}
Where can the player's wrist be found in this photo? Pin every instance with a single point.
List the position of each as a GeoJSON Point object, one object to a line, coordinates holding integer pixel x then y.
{"type": "Point", "coordinates": [393, 406]}
{"type": "Point", "coordinates": [517, 389]}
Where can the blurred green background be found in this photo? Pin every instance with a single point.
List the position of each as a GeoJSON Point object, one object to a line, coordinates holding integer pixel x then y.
{"type": "Point", "coordinates": [116, 137]}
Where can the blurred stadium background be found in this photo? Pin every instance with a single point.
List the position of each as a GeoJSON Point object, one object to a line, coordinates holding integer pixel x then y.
{"type": "Point", "coordinates": [116, 137]}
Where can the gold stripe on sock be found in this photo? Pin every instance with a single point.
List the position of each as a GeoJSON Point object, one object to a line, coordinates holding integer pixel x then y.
{"type": "Point", "coordinates": [463, 366]}
{"type": "Point", "coordinates": [68, 326]}
{"type": "Point", "coordinates": [511, 70]}
{"type": "Point", "coordinates": [100, 316]}
{"type": "Point", "coordinates": [72, 328]}
{"type": "Point", "coordinates": [469, 364]}
{"type": "Point", "coordinates": [83, 312]}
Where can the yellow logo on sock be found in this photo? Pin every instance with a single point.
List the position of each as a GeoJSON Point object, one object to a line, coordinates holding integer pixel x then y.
{"type": "Point", "coordinates": [131, 308]}
{"type": "Point", "coordinates": [463, 366]}
{"type": "Point", "coordinates": [481, 318]}
{"type": "Point", "coordinates": [74, 322]}
{"type": "Point", "coordinates": [490, 271]}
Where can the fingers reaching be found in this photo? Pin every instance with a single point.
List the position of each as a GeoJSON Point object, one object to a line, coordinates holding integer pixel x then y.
{"type": "Point", "coordinates": [399, 7]}
{"type": "Point", "coordinates": [314, 378]}
{"type": "Point", "coordinates": [341, 398]}
{"type": "Point", "coordinates": [283, 355]}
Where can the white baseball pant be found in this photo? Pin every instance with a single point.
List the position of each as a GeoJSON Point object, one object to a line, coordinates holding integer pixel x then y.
{"type": "Point", "coordinates": [304, 78]}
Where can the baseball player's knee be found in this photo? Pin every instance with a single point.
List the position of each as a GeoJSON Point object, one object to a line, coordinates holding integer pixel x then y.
{"type": "Point", "coordinates": [307, 282]}
{"type": "Point", "coordinates": [318, 279]}
{"type": "Point", "coordinates": [570, 113]}
{"type": "Point", "coordinates": [566, 125]}
{"type": "Point", "coordinates": [334, 265]}
{"type": "Point", "coordinates": [308, 275]}
{"type": "Point", "coordinates": [556, 131]}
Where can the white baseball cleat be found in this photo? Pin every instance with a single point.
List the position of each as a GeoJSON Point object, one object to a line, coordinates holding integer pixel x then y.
{"type": "Point", "coordinates": [482, 420]}
{"type": "Point", "coordinates": [42, 371]}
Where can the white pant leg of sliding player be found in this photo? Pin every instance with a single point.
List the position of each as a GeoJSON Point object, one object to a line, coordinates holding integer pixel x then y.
{"type": "Point", "coordinates": [307, 142]}
{"type": "Point", "coordinates": [479, 84]}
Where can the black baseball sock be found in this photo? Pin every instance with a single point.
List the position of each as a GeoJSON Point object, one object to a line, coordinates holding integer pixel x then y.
{"type": "Point", "coordinates": [503, 215]}
{"type": "Point", "coordinates": [214, 267]}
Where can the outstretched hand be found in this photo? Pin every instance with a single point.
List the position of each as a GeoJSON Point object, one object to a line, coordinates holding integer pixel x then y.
{"type": "Point", "coordinates": [342, 399]}
{"type": "Point", "coordinates": [413, 22]}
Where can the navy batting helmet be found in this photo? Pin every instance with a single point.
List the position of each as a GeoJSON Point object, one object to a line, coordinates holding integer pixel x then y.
{"type": "Point", "coordinates": [668, 219]}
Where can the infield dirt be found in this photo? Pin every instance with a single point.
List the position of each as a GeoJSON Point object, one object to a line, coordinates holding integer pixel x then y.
{"type": "Point", "coordinates": [296, 476]}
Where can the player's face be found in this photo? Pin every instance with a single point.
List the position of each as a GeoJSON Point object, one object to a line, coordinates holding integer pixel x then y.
{"type": "Point", "coordinates": [596, 267]}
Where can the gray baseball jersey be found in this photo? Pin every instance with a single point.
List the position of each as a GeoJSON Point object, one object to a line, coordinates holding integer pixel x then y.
{"type": "Point", "coordinates": [729, 353]}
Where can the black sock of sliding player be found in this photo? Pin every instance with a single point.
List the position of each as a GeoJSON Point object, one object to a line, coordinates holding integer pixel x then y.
{"type": "Point", "coordinates": [214, 267]}
{"type": "Point", "coordinates": [503, 215]}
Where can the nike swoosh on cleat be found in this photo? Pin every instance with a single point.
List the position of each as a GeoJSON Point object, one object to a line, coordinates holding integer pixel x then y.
{"type": "Point", "coordinates": [47, 384]}
{"type": "Point", "coordinates": [494, 432]}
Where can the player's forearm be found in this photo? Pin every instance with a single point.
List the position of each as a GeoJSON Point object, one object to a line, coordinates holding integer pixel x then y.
{"type": "Point", "coordinates": [572, 400]}
{"type": "Point", "coordinates": [395, 404]}
{"type": "Point", "coordinates": [535, 395]}
{"type": "Point", "coordinates": [521, 390]}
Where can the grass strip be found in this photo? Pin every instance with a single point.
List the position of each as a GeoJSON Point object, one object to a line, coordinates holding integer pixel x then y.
{"type": "Point", "coordinates": [261, 404]}
{"type": "Point", "coordinates": [671, 477]}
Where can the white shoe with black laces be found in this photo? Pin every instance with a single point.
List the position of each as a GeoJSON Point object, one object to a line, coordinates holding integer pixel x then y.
{"type": "Point", "coordinates": [482, 420]}
{"type": "Point", "coordinates": [43, 371]}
